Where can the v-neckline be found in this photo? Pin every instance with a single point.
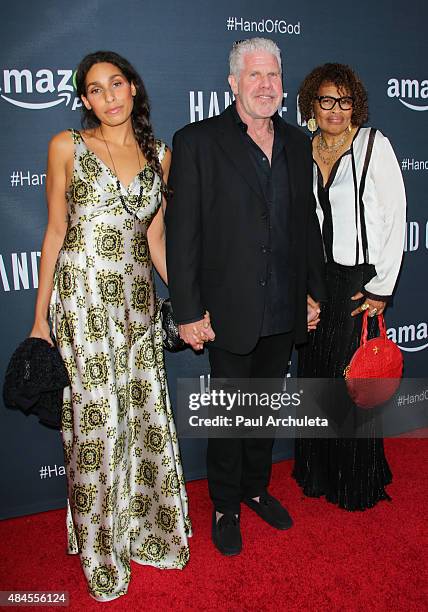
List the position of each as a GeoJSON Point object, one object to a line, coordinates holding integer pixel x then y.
{"type": "Point", "coordinates": [334, 168]}
{"type": "Point", "coordinates": [114, 175]}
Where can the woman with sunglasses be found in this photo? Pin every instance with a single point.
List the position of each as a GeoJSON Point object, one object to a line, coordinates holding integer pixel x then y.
{"type": "Point", "coordinates": [363, 229]}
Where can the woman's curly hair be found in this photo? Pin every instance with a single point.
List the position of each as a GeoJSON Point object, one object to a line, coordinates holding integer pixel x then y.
{"type": "Point", "coordinates": [345, 79]}
{"type": "Point", "coordinates": [141, 110]}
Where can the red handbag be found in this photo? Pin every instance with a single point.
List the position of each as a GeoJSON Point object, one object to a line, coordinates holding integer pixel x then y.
{"type": "Point", "coordinates": [374, 372]}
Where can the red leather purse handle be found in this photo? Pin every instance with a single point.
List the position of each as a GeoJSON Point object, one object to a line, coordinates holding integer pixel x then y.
{"type": "Point", "coordinates": [382, 328]}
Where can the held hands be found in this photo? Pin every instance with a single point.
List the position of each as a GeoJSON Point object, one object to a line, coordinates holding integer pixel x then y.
{"type": "Point", "coordinates": [197, 333]}
{"type": "Point", "coordinates": [314, 310]}
{"type": "Point", "coordinates": [375, 307]}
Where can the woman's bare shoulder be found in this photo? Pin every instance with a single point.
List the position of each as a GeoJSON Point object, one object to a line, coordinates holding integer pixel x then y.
{"type": "Point", "coordinates": [62, 140]}
{"type": "Point", "coordinates": [62, 144]}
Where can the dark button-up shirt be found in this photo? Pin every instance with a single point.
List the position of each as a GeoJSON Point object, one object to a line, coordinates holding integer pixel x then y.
{"type": "Point", "coordinates": [273, 178]}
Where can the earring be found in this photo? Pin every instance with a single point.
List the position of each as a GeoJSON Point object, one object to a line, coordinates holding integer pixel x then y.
{"type": "Point", "coordinates": [312, 124]}
{"type": "Point", "coordinates": [349, 128]}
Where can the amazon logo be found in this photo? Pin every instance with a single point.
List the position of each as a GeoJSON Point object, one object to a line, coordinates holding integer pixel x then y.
{"type": "Point", "coordinates": [410, 338]}
{"type": "Point", "coordinates": [38, 90]}
{"type": "Point", "coordinates": [411, 93]}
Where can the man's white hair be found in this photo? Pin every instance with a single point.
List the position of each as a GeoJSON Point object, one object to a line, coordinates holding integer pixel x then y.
{"type": "Point", "coordinates": [236, 55]}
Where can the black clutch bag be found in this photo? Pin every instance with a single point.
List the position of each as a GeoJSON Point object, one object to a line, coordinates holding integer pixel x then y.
{"type": "Point", "coordinates": [171, 338]}
{"type": "Point", "coordinates": [35, 380]}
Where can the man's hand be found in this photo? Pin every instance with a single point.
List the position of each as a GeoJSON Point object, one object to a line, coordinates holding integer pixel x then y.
{"type": "Point", "coordinates": [195, 334]}
{"type": "Point", "coordinates": [375, 307]}
{"type": "Point", "coordinates": [314, 310]}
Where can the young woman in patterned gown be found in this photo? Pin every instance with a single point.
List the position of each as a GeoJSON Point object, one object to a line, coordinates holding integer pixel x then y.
{"type": "Point", "coordinates": [105, 188]}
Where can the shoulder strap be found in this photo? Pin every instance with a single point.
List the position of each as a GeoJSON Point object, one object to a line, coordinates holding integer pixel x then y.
{"type": "Point", "coordinates": [76, 135]}
{"type": "Point", "coordinates": [361, 193]}
{"type": "Point", "coordinates": [354, 178]}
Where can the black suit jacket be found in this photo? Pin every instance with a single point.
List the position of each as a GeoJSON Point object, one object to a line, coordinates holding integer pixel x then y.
{"type": "Point", "coordinates": [217, 223]}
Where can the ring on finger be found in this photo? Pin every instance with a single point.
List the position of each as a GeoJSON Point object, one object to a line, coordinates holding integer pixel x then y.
{"type": "Point", "coordinates": [364, 307]}
{"type": "Point", "coordinates": [373, 312]}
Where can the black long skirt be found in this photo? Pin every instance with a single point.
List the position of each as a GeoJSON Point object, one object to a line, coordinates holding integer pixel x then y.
{"type": "Point", "coordinates": [350, 472]}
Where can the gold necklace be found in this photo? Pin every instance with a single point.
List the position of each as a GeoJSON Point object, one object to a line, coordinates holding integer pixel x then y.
{"type": "Point", "coordinates": [118, 185]}
{"type": "Point", "coordinates": [331, 150]}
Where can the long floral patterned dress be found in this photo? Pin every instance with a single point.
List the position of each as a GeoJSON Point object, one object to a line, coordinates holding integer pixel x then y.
{"type": "Point", "coordinates": [126, 493]}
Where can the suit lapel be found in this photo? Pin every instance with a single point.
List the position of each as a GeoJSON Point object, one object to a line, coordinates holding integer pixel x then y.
{"type": "Point", "coordinates": [292, 158]}
{"type": "Point", "coordinates": [233, 145]}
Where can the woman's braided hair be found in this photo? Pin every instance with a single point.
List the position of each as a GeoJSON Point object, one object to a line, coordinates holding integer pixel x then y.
{"type": "Point", "coordinates": [140, 115]}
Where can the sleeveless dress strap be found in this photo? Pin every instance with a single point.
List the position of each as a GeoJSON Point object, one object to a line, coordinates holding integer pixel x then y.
{"type": "Point", "coordinates": [76, 135]}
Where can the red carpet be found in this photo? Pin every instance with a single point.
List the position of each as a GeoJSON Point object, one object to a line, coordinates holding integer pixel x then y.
{"type": "Point", "coordinates": [330, 560]}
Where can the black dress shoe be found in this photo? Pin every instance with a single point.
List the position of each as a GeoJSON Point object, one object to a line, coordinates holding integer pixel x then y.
{"type": "Point", "coordinates": [270, 510]}
{"type": "Point", "coordinates": [226, 534]}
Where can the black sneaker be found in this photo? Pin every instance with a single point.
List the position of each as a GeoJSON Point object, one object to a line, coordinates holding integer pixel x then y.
{"type": "Point", "coordinates": [226, 534]}
{"type": "Point", "coordinates": [270, 510]}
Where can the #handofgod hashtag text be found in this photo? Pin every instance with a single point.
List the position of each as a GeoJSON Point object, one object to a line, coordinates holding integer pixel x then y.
{"type": "Point", "coordinates": [48, 471]}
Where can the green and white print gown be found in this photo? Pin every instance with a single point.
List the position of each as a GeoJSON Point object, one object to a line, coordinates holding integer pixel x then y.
{"type": "Point", "coordinates": [126, 493]}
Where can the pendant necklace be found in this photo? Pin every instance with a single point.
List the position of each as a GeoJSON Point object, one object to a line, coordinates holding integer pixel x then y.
{"type": "Point", "coordinates": [331, 150]}
{"type": "Point", "coordinates": [123, 200]}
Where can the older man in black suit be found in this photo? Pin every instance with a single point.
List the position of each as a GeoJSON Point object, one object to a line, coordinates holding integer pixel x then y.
{"type": "Point", "coordinates": [244, 244]}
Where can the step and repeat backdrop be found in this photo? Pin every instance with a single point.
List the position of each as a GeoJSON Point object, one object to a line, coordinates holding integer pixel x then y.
{"type": "Point", "coordinates": [181, 50]}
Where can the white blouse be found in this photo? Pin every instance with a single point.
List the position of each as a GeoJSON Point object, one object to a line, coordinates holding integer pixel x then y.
{"type": "Point", "coordinates": [384, 211]}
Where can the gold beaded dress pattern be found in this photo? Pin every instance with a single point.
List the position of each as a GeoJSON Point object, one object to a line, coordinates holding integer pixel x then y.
{"type": "Point", "coordinates": [126, 493]}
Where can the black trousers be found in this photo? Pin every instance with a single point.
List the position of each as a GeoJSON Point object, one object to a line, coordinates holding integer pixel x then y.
{"type": "Point", "coordinates": [238, 468]}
